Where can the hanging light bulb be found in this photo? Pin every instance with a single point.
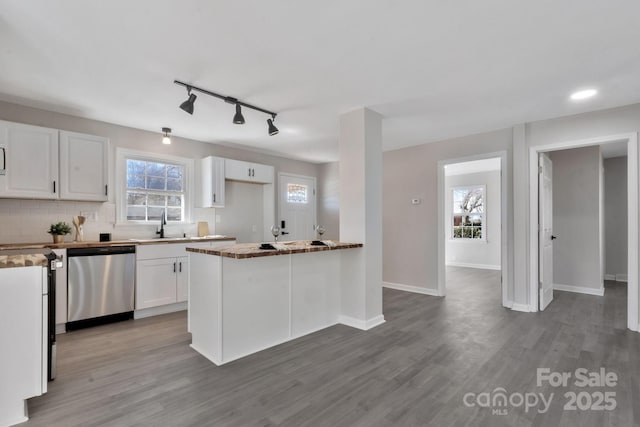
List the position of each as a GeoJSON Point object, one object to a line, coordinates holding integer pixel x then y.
{"type": "Point", "coordinates": [166, 138]}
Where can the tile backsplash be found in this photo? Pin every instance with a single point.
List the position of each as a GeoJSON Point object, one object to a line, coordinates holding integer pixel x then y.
{"type": "Point", "coordinates": [27, 221]}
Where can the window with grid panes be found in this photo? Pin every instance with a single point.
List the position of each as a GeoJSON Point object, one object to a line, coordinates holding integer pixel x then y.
{"type": "Point", "coordinates": [153, 187]}
{"type": "Point", "coordinates": [468, 212]}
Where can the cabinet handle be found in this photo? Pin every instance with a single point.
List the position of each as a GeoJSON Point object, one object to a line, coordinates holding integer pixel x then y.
{"type": "Point", "coordinates": [106, 190]}
{"type": "Point", "coordinates": [253, 172]}
{"type": "Point", "coordinates": [4, 159]}
{"type": "Point", "coordinates": [54, 187]}
{"type": "Point", "coordinates": [214, 197]}
{"type": "Point", "coordinates": [174, 267]}
{"type": "Point", "coordinates": [181, 267]}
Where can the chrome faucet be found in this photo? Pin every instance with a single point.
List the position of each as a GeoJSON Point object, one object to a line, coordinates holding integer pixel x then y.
{"type": "Point", "coordinates": [163, 222]}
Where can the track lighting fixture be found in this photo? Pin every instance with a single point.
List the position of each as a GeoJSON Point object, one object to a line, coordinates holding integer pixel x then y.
{"type": "Point", "coordinates": [273, 130]}
{"type": "Point", "coordinates": [238, 118]}
{"type": "Point", "coordinates": [166, 138]}
{"type": "Point", "coordinates": [188, 104]}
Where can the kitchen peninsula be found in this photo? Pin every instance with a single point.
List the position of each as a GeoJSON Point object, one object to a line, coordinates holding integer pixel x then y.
{"type": "Point", "coordinates": [243, 299]}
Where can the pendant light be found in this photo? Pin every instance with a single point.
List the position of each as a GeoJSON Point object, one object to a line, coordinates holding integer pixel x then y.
{"type": "Point", "coordinates": [166, 138]}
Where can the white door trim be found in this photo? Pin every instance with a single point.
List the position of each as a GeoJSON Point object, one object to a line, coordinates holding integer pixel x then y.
{"type": "Point", "coordinates": [632, 217]}
{"type": "Point", "coordinates": [504, 232]}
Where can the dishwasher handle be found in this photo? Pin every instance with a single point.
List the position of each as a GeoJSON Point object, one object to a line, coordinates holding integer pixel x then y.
{"type": "Point", "coordinates": [102, 250]}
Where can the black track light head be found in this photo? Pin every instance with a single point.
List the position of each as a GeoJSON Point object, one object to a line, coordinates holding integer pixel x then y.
{"type": "Point", "coordinates": [188, 104]}
{"type": "Point", "coordinates": [238, 119]}
{"type": "Point", "coordinates": [273, 130]}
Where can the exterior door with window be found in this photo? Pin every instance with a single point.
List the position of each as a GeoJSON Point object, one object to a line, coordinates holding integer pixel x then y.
{"type": "Point", "coordinates": [297, 207]}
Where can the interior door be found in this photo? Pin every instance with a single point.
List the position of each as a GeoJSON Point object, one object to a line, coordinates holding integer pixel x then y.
{"type": "Point", "coordinates": [545, 215]}
{"type": "Point", "coordinates": [297, 207]}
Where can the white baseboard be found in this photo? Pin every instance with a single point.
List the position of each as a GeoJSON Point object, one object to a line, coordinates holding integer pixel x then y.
{"type": "Point", "coordinates": [520, 307]}
{"type": "Point", "coordinates": [616, 277]}
{"type": "Point", "coordinates": [579, 289]}
{"type": "Point", "coordinates": [410, 288]}
{"type": "Point", "coordinates": [361, 324]}
{"type": "Point", "coordinates": [468, 265]}
{"type": "Point", "coordinates": [163, 309]}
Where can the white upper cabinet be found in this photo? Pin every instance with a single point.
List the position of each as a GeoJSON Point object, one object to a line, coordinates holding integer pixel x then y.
{"type": "Point", "coordinates": [43, 163]}
{"type": "Point", "coordinates": [213, 175]}
{"type": "Point", "coordinates": [28, 161]}
{"type": "Point", "coordinates": [83, 167]}
{"type": "Point", "coordinates": [250, 172]}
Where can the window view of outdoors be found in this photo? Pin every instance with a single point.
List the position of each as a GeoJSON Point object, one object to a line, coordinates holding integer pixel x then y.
{"type": "Point", "coordinates": [468, 213]}
{"type": "Point", "coordinates": [153, 188]}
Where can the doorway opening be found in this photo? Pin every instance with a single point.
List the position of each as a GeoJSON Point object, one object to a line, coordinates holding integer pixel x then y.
{"type": "Point", "coordinates": [573, 267]}
{"type": "Point", "coordinates": [472, 220]}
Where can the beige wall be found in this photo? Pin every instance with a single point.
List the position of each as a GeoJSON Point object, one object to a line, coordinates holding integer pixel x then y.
{"type": "Point", "coordinates": [329, 199]}
{"type": "Point", "coordinates": [410, 233]}
{"type": "Point", "coordinates": [28, 220]}
{"type": "Point", "coordinates": [615, 215]}
{"type": "Point", "coordinates": [576, 217]}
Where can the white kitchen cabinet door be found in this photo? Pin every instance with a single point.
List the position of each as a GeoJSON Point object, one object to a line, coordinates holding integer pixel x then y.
{"type": "Point", "coordinates": [262, 174]}
{"type": "Point", "coordinates": [237, 170]}
{"type": "Point", "coordinates": [212, 182]}
{"type": "Point", "coordinates": [155, 282]}
{"type": "Point", "coordinates": [182, 279]}
{"type": "Point", "coordinates": [250, 172]}
{"type": "Point", "coordinates": [28, 161]}
{"type": "Point", "coordinates": [83, 167]}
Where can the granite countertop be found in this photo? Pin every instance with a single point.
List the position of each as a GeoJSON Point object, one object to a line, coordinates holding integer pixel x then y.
{"type": "Point", "coordinates": [11, 258]}
{"type": "Point", "coordinates": [128, 242]}
{"type": "Point", "coordinates": [252, 250]}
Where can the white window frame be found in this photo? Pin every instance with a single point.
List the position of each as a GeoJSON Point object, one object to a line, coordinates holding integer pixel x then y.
{"type": "Point", "coordinates": [483, 214]}
{"type": "Point", "coordinates": [122, 154]}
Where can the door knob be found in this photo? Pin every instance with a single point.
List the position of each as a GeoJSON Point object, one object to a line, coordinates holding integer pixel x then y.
{"type": "Point", "coordinates": [553, 237]}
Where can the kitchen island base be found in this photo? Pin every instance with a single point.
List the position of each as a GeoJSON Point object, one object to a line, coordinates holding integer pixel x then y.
{"type": "Point", "coordinates": [239, 306]}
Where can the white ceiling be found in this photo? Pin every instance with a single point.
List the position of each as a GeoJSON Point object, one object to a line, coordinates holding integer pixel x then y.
{"type": "Point", "coordinates": [433, 69]}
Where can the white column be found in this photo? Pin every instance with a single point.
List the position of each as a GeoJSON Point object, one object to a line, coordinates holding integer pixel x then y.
{"type": "Point", "coordinates": [361, 217]}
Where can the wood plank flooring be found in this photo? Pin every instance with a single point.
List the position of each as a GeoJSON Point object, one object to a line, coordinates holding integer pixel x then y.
{"type": "Point", "coordinates": [412, 371]}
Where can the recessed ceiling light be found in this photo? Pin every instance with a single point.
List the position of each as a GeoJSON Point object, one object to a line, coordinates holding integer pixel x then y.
{"type": "Point", "coordinates": [583, 94]}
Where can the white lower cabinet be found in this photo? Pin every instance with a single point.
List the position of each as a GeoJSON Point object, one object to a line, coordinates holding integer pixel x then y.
{"type": "Point", "coordinates": [23, 323]}
{"type": "Point", "coordinates": [162, 273]}
{"type": "Point", "coordinates": [155, 282]}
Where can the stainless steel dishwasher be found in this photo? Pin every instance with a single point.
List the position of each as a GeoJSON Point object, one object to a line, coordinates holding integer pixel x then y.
{"type": "Point", "coordinates": [100, 285]}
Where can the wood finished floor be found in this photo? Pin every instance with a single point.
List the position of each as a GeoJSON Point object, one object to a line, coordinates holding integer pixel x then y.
{"type": "Point", "coordinates": [412, 371]}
